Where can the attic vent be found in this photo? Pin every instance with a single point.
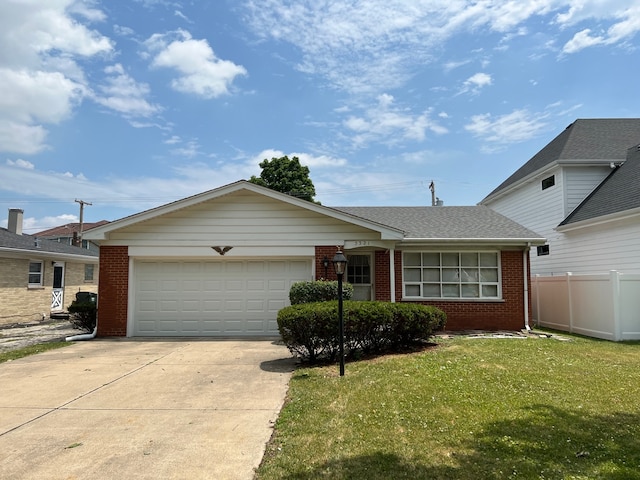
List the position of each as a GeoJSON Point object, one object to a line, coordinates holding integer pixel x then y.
{"type": "Point", "coordinates": [548, 182]}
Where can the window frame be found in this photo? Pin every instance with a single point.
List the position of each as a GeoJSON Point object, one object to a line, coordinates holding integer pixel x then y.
{"type": "Point", "coordinates": [449, 276]}
{"type": "Point", "coordinates": [31, 273]}
{"type": "Point", "coordinates": [89, 267]}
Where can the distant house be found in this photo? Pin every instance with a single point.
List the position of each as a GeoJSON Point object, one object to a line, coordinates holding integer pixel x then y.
{"type": "Point", "coordinates": [221, 263]}
{"type": "Point", "coordinates": [70, 234]}
{"type": "Point", "coordinates": [582, 193]}
{"type": "Point", "coordinates": [40, 277]}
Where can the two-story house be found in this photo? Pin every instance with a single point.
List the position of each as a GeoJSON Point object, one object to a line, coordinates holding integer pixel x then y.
{"type": "Point", "coordinates": [582, 193]}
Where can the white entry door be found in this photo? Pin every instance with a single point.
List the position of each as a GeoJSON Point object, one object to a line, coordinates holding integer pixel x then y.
{"type": "Point", "coordinates": [57, 294]}
{"type": "Point", "coordinates": [359, 274]}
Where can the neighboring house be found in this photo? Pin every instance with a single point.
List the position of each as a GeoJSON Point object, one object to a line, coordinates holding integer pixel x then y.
{"type": "Point", "coordinates": [221, 263]}
{"type": "Point", "coordinates": [582, 192]}
{"type": "Point", "coordinates": [39, 277]}
{"type": "Point", "coordinates": [70, 234]}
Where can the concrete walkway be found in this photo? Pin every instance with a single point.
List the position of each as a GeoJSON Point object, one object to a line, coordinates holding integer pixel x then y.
{"type": "Point", "coordinates": [154, 409]}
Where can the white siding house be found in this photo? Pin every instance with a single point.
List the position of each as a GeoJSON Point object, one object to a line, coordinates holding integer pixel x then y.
{"type": "Point", "coordinates": [582, 193]}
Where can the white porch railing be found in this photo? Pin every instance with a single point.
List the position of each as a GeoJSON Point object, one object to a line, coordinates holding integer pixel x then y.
{"type": "Point", "coordinates": [601, 305]}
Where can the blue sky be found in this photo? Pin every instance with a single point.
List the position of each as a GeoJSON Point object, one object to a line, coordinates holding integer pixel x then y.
{"type": "Point", "coordinates": [133, 104]}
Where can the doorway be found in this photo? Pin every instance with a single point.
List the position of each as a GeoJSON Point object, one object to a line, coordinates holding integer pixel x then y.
{"type": "Point", "coordinates": [359, 274]}
{"type": "Point", "coordinates": [57, 294]}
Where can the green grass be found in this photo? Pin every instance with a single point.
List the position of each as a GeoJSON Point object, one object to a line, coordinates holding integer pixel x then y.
{"type": "Point", "coordinates": [466, 409]}
{"type": "Point", "coordinates": [31, 350]}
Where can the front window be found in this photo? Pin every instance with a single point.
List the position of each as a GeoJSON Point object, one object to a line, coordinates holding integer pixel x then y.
{"type": "Point", "coordinates": [35, 274]}
{"type": "Point", "coordinates": [88, 272]}
{"type": "Point", "coordinates": [451, 275]}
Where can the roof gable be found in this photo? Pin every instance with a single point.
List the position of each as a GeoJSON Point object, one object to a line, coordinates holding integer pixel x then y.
{"type": "Point", "coordinates": [619, 192]}
{"type": "Point", "coordinates": [169, 211]}
{"type": "Point", "coordinates": [585, 140]}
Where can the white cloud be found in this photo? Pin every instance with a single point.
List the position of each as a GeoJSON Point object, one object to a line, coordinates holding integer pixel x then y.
{"type": "Point", "coordinates": [201, 72]}
{"type": "Point", "coordinates": [306, 159]}
{"type": "Point", "coordinates": [386, 123]}
{"type": "Point", "coordinates": [124, 95]}
{"type": "Point", "coordinates": [623, 19]}
{"type": "Point", "coordinates": [20, 163]}
{"type": "Point", "coordinates": [517, 126]}
{"type": "Point", "coordinates": [42, 82]}
{"type": "Point", "coordinates": [189, 150]}
{"type": "Point", "coordinates": [476, 82]}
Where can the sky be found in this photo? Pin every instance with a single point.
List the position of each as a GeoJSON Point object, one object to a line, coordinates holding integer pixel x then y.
{"type": "Point", "coordinates": [128, 105]}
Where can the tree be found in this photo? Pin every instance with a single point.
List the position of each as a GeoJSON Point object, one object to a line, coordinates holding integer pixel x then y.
{"type": "Point", "coordinates": [287, 176]}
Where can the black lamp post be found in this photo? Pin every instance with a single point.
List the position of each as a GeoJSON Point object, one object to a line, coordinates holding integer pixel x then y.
{"type": "Point", "coordinates": [340, 265]}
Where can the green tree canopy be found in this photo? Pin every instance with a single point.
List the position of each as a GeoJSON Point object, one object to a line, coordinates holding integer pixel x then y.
{"type": "Point", "coordinates": [287, 176]}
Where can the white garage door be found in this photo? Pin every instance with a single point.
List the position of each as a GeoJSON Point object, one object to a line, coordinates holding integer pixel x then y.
{"type": "Point", "coordinates": [204, 298]}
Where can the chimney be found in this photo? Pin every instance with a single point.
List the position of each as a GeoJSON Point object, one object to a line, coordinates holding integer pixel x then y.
{"type": "Point", "coordinates": [14, 225]}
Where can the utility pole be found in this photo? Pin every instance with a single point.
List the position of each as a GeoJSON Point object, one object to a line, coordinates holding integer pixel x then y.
{"type": "Point", "coordinates": [432, 187]}
{"type": "Point", "coordinates": [82, 204]}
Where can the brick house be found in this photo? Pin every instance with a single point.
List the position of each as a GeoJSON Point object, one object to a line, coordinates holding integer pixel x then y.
{"type": "Point", "coordinates": [40, 277]}
{"type": "Point", "coordinates": [221, 263]}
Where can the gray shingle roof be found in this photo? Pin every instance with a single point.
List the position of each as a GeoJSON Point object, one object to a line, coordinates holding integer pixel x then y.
{"type": "Point", "coordinates": [28, 242]}
{"type": "Point", "coordinates": [620, 191]}
{"type": "Point", "coordinates": [605, 139]}
{"type": "Point", "coordinates": [470, 222]}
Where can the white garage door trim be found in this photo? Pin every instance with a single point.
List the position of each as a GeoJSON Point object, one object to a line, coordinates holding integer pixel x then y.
{"type": "Point", "coordinates": [231, 298]}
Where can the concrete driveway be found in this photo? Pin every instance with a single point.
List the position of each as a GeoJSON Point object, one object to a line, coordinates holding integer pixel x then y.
{"type": "Point", "coordinates": [143, 409]}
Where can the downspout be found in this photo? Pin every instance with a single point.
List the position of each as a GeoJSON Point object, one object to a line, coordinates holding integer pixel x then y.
{"type": "Point", "coordinates": [83, 336]}
{"type": "Point", "coordinates": [525, 258]}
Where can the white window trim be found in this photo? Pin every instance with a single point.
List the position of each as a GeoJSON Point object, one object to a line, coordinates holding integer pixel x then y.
{"type": "Point", "coordinates": [460, 298]}
{"type": "Point", "coordinates": [29, 273]}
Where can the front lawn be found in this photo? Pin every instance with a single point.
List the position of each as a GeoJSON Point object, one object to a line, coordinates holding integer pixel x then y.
{"type": "Point", "coordinates": [466, 409]}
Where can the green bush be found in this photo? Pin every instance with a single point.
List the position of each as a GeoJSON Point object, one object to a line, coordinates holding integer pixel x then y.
{"type": "Point", "coordinates": [318, 291]}
{"type": "Point", "coordinates": [83, 314]}
{"type": "Point", "coordinates": [311, 330]}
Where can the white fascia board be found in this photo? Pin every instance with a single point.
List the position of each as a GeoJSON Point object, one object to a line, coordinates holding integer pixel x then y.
{"type": "Point", "coordinates": [102, 232]}
{"type": "Point", "coordinates": [592, 222]}
{"type": "Point", "coordinates": [26, 253]}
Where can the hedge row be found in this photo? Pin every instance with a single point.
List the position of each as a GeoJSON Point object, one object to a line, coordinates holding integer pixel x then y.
{"type": "Point", "coordinates": [318, 291]}
{"type": "Point", "coordinates": [311, 330]}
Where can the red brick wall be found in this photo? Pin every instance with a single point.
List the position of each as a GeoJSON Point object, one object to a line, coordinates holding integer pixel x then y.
{"type": "Point", "coordinates": [113, 291]}
{"type": "Point", "coordinates": [507, 314]}
{"type": "Point", "coordinates": [329, 252]}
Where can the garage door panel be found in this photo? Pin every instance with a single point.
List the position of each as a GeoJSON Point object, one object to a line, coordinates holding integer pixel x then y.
{"type": "Point", "coordinates": [229, 297]}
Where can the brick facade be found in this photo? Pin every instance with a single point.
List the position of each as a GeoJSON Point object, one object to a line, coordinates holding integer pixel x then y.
{"type": "Point", "coordinates": [113, 291]}
{"type": "Point", "coordinates": [22, 304]}
{"type": "Point", "coordinates": [506, 314]}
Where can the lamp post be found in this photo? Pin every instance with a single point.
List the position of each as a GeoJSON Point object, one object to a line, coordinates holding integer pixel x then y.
{"type": "Point", "coordinates": [340, 265]}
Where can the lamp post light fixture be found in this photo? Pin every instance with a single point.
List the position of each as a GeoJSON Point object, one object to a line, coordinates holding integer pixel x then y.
{"type": "Point", "coordinates": [340, 265]}
{"type": "Point", "coordinates": [325, 264]}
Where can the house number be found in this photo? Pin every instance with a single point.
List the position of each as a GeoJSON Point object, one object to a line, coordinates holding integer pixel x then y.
{"type": "Point", "coordinates": [361, 243]}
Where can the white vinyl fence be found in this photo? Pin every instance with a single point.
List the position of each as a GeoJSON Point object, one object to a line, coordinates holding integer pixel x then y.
{"type": "Point", "coordinates": [602, 305]}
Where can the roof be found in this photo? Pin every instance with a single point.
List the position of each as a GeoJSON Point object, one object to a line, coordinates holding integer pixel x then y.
{"type": "Point", "coordinates": [69, 229]}
{"type": "Point", "coordinates": [619, 192]}
{"type": "Point", "coordinates": [30, 243]}
{"type": "Point", "coordinates": [469, 222]}
{"type": "Point", "coordinates": [585, 140]}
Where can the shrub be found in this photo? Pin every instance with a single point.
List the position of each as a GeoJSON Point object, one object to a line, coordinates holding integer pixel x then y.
{"type": "Point", "coordinates": [83, 314]}
{"type": "Point", "coordinates": [318, 291]}
{"type": "Point", "coordinates": [311, 330]}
